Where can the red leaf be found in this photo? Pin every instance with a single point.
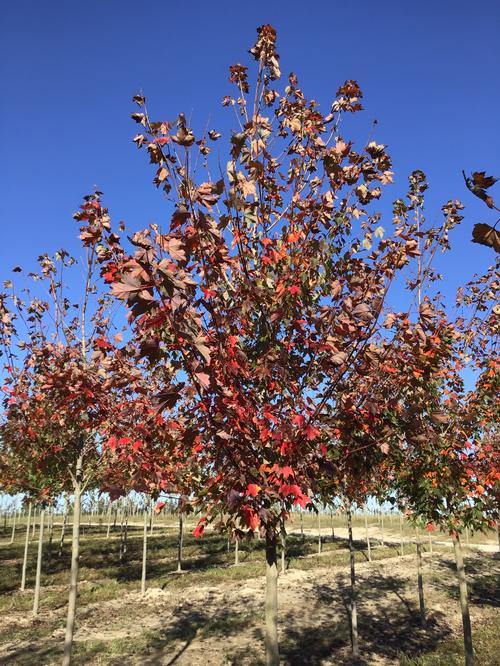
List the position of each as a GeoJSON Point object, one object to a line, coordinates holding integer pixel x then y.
{"type": "Point", "coordinates": [252, 490]}
{"type": "Point", "coordinates": [312, 432]}
{"type": "Point", "coordinates": [286, 472]}
{"type": "Point", "coordinates": [198, 530]}
{"type": "Point", "coordinates": [303, 501]}
{"type": "Point", "coordinates": [159, 506]}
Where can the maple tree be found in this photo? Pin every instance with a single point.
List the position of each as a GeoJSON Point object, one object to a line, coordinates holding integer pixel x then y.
{"type": "Point", "coordinates": [265, 298]}
{"type": "Point", "coordinates": [265, 366]}
{"type": "Point", "coordinates": [445, 471]}
{"type": "Point", "coordinates": [63, 381]}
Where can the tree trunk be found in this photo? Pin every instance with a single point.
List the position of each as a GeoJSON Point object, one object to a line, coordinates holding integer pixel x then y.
{"type": "Point", "coordinates": [13, 534]}
{"type": "Point", "coordinates": [354, 612]}
{"type": "Point", "coordinates": [236, 551]}
{"type": "Point", "coordinates": [421, 599]}
{"type": "Point", "coordinates": [283, 550]}
{"type": "Point", "coordinates": [26, 544]}
{"type": "Point", "coordinates": [382, 529]}
{"type": "Point", "coordinates": [180, 542]}
{"type": "Point", "coordinates": [36, 599]}
{"type": "Point", "coordinates": [151, 519]}
{"type": "Point", "coordinates": [122, 542]}
{"type": "Point", "coordinates": [319, 533]}
{"type": "Point", "coordinates": [34, 525]}
{"type": "Point", "coordinates": [402, 535]}
{"type": "Point", "coordinates": [302, 528]}
{"type": "Point", "coordinates": [464, 602]}
{"type": "Point", "coordinates": [430, 542]}
{"type": "Point", "coordinates": [75, 563]}
{"type": "Point", "coordinates": [125, 534]}
{"type": "Point", "coordinates": [368, 539]}
{"type": "Point", "coordinates": [63, 528]}
{"type": "Point", "coordinates": [333, 526]}
{"type": "Point", "coordinates": [110, 511]}
{"type": "Point", "coordinates": [144, 552]}
{"type": "Point", "coordinates": [271, 640]}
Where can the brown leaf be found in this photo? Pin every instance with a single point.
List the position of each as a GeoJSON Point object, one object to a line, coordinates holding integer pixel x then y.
{"type": "Point", "coordinates": [203, 379]}
{"type": "Point", "coordinates": [484, 234]}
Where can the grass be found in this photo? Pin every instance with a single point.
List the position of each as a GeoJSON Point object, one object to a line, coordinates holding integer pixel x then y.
{"type": "Point", "coordinates": [450, 652]}
{"type": "Point", "coordinates": [206, 562]}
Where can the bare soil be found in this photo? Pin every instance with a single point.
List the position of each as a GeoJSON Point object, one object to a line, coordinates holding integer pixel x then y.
{"type": "Point", "coordinates": [223, 623]}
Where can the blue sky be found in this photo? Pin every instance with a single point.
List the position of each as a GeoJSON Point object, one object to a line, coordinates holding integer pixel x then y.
{"type": "Point", "coordinates": [429, 71]}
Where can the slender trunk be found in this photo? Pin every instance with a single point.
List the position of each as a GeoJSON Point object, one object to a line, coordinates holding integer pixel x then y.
{"type": "Point", "coordinates": [319, 533]}
{"type": "Point", "coordinates": [464, 602]}
{"type": "Point", "coordinates": [180, 542]}
{"type": "Point", "coordinates": [75, 563]}
{"type": "Point", "coordinates": [402, 535]}
{"type": "Point", "coordinates": [13, 534]}
{"type": "Point", "coordinates": [271, 640]}
{"type": "Point", "coordinates": [382, 530]}
{"type": "Point", "coordinates": [236, 551]}
{"type": "Point", "coordinates": [302, 528]}
{"type": "Point", "coordinates": [354, 613]}
{"type": "Point", "coordinates": [125, 535]}
{"type": "Point", "coordinates": [283, 550]}
{"type": "Point", "coordinates": [34, 525]}
{"type": "Point", "coordinates": [109, 521]}
{"type": "Point", "coordinates": [144, 552]}
{"type": "Point", "coordinates": [26, 544]}
{"type": "Point", "coordinates": [333, 526]}
{"type": "Point", "coordinates": [63, 528]}
{"type": "Point", "coordinates": [151, 519]}
{"type": "Point", "coordinates": [421, 599]}
{"type": "Point", "coordinates": [122, 542]}
{"type": "Point", "coordinates": [115, 517]}
{"type": "Point", "coordinates": [430, 542]}
{"type": "Point", "coordinates": [51, 531]}
{"type": "Point", "coordinates": [36, 599]}
{"type": "Point", "coordinates": [368, 539]}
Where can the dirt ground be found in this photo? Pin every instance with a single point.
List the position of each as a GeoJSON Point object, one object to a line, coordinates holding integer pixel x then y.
{"type": "Point", "coordinates": [223, 624]}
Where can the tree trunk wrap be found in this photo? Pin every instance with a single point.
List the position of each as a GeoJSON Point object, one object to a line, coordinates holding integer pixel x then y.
{"type": "Point", "coordinates": [108, 530]}
{"type": "Point", "coordinates": [26, 544]}
{"type": "Point", "coordinates": [36, 599]}
{"type": "Point", "coordinates": [319, 534]}
{"type": "Point", "coordinates": [420, 580]}
{"type": "Point", "coordinates": [271, 639]}
{"type": "Point", "coordinates": [368, 545]}
{"type": "Point", "coordinates": [354, 612]}
{"type": "Point", "coordinates": [464, 601]}
{"type": "Point", "coordinates": [75, 563]}
{"type": "Point", "coordinates": [63, 528]}
{"type": "Point", "coordinates": [144, 552]}
{"type": "Point", "coordinates": [180, 542]}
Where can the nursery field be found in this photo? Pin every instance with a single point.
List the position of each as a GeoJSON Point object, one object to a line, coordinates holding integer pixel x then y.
{"type": "Point", "coordinates": [213, 612]}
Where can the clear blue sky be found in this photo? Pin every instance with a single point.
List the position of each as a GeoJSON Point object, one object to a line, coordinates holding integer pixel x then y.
{"type": "Point", "coordinates": [429, 71]}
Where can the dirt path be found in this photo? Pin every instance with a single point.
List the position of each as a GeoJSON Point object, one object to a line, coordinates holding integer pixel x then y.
{"type": "Point", "coordinates": [359, 534]}
{"type": "Point", "coordinates": [215, 625]}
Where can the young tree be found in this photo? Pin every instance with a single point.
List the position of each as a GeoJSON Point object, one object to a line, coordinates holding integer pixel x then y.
{"type": "Point", "coordinates": [266, 292]}
{"type": "Point", "coordinates": [60, 392]}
